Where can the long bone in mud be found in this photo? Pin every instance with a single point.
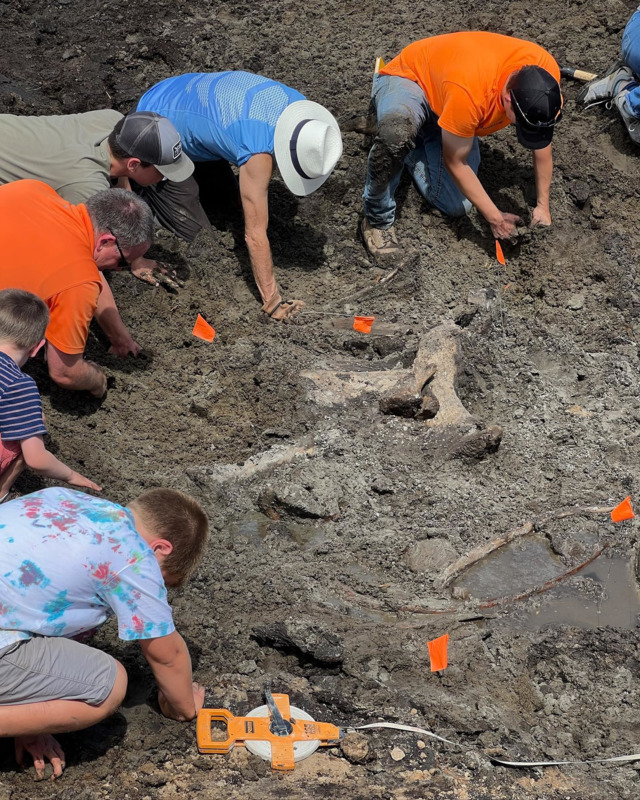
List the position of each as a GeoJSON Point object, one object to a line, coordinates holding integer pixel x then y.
{"type": "Point", "coordinates": [426, 391]}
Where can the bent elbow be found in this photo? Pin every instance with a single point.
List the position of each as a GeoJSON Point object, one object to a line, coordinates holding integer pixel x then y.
{"type": "Point", "coordinates": [62, 376]}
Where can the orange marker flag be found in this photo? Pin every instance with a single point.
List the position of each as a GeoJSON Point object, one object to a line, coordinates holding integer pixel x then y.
{"type": "Point", "coordinates": [363, 324]}
{"type": "Point", "coordinates": [623, 511]}
{"type": "Point", "coordinates": [438, 652]}
{"type": "Point", "coordinates": [203, 330]}
{"type": "Point", "coordinates": [499, 253]}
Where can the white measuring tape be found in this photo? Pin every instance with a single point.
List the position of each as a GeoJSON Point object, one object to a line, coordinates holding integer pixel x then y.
{"type": "Point", "coordinates": [412, 729]}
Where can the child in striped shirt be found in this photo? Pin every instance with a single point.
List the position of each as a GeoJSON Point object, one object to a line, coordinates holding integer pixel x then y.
{"type": "Point", "coordinates": [23, 322]}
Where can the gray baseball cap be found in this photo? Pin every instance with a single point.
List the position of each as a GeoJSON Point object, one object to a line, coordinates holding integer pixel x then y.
{"type": "Point", "coordinates": [152, 138]}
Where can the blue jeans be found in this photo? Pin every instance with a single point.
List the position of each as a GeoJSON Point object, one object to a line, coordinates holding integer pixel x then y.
{"type": "Point", "coordinates": [631, 57]}
{"type": "Point", "coordinates": [408, 134]}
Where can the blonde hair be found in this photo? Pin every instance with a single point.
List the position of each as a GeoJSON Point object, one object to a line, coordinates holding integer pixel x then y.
{"type": "Point", "coordinates": [23, 318]}
{"type": "Point", "coordinates": [179, 519]}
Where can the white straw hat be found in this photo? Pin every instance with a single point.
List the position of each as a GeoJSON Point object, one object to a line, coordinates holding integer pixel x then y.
{"type": "Point", "coordinates": [307, 146]}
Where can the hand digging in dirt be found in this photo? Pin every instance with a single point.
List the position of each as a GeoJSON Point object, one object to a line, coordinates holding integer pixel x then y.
{"type": "Point", "coordinates": [156, 273]}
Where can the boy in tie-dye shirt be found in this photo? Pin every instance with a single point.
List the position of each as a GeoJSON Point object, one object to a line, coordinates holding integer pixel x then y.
{"type": "Point", "coordinates": [68, 562]}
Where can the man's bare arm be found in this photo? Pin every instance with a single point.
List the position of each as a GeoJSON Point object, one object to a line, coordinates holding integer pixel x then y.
{"type": "Point", "coordinates": [255, 175]}
{"type": "Point", "coordinates": [456, 150]}
{"type": "Point", "coordinates": [109, 319]}
{"type": "Point", "coordinates": [74, 372]}
{"type": "Point", "coordinates": [543, 171]}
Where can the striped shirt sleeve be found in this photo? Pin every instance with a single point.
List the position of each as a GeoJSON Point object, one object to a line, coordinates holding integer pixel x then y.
{"type": "Point", "coordinates": [21, 411]}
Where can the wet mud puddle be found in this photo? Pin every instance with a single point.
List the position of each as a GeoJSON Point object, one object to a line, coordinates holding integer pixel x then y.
{"type": "Point", "coordinates": [605, 593]}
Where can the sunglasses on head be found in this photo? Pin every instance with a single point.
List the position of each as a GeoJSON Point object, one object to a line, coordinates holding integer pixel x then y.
{"type": "Point", "coordinates": [549, 124]}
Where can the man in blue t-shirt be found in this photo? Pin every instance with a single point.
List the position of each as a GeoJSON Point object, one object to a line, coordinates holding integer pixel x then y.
{"type": "Point", "coordinates": [249, 121]}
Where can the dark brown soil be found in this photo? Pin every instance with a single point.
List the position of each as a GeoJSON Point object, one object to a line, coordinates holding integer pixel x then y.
{"type": "Point", "coordinates": [554, 361]}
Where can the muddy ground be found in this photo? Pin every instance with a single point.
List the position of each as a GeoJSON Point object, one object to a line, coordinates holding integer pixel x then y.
{"type": "Point", "coordinates": [321, 545]}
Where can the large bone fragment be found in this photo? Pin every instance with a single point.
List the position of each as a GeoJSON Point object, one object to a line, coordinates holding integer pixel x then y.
{"type": "Point", "coordinates": [426, 391]}
{"type": "Point", "coordinates": [437, 365]}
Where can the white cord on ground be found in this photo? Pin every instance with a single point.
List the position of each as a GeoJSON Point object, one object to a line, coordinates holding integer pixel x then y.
{"type": "Point", "coordinates": [525, 764]}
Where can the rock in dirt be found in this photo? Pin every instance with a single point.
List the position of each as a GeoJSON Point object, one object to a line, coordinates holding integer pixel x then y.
{"type": "Point", "coordinates": [356, 748]}
{"type": "Point", "coordinates": [478, 443]}
{"type": "Point", "coordinates": [310, 502]}
{"type": "Point", "coordinates": [575, 302]}
{"type": "Point", "coordinates": [429, 554]}
{"type": "Point", "coordinates": [304, 638]}
{"type": "Point", "coordinates": [397, 754]}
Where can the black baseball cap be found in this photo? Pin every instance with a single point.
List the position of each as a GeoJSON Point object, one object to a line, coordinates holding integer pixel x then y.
{"type": "Point", "coordinates": [537, 104]}
{"type": "Point", "coordinates": [152, 138]}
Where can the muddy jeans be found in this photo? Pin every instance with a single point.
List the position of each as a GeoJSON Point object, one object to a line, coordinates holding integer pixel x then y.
{"type": "Point", "coordinates": [631, 57]}
{"type": "Point", "coordinates": [408, 134]}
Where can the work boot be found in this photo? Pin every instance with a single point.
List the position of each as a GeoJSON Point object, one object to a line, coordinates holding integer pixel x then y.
{"type": "Point", "coordinates": [607, 87]}
{"type": "Point", "coordinates": [632, 123]}
{"type": "Point", "coordinates": [380, 242]}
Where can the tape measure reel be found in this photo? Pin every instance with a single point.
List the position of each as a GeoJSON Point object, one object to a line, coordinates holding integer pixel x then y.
{"type": "Point", "coordinates": [262, 748]}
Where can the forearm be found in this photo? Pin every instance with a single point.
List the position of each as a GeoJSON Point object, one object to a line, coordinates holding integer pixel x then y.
{"type": "Point", "coordinates": [83, 376]}
{"type": "Point", "coordinates": [543, 172]}
{"type": "Point", "coordinates": [469, 184]}
{"type": "Point", "coordinates": [171, 665]}
{"type": "Point", "coordinates": [108, 316]}
{"type": "Point", "coordinates": [261, 263]}
{"type": "Point", "coordinates": [45, 463]}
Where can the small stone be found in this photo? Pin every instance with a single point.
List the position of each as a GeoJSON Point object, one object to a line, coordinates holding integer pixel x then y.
{"type": "Point", "coordinates": [420, 744]}
{"type": "Point", "coordinates": [575, 302]}
{"type": "Point", "coordinates": [397, 754]}
{"type": "Point", "coordinates": [355, 748]}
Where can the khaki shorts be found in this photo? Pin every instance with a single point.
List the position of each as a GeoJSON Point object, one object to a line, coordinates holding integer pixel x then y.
{"type": "Point", "coordinates": [53, 668]}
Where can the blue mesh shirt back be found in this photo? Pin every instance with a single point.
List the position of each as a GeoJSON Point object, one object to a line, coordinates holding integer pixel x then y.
{"type": "Point", "coordinates": [221, 115]}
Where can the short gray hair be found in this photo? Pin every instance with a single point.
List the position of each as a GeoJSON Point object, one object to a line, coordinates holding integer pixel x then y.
{"type": "Point", "coordinates": [123, 214]}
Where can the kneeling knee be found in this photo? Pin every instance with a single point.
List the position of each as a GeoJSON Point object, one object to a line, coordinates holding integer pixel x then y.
{"type": "Point", "coordinates": [397, 133]}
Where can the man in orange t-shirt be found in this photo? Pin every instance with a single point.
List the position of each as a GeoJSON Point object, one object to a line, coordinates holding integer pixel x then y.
{"type": "Point", "coordinates": [55, 250]}
{"type": "Point", "coordinates": [433, 101]}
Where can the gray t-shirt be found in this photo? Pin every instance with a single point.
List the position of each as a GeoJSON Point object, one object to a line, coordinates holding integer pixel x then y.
{"type": "Point", "coordinates": [69, 152]}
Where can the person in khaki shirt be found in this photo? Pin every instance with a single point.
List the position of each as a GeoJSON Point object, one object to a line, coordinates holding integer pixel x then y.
{"type": "Point", "coordinates": [81, 154]}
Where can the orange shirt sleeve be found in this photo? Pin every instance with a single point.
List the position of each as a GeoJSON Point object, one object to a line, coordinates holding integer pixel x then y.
{"type": "Point", "coordinates": [460, 115]}
{"type": "Point", "coordinates": [71, 313]}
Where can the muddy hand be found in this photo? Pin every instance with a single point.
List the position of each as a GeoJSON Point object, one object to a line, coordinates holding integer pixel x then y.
{"type": "Point", "coordinates": [540, 216]}
{"type": "Point", "coordinates": [41, 746]}
{"type": "Point", "coordinates": [100, 385]}
{"type": "Point", "coordinates": [156, 273]}
{"type": "Point", "coordinates": [505, 227]}
{"type": "Point", "coordinates": [286, 310]}
{"type": "Point", "coordinates": [124, 347]}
